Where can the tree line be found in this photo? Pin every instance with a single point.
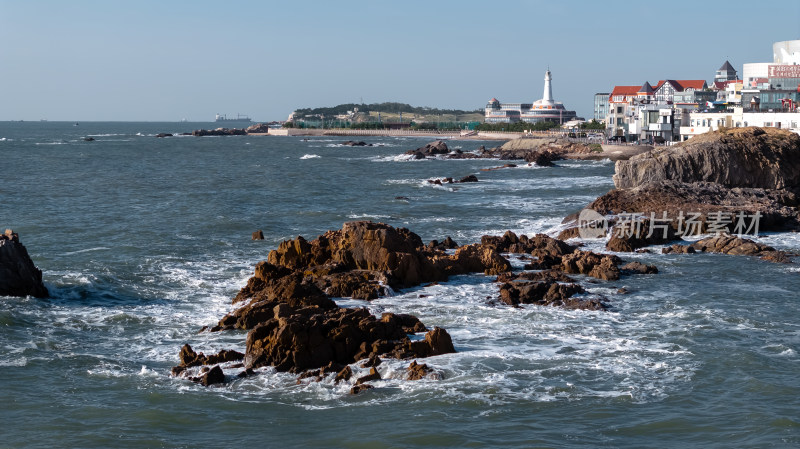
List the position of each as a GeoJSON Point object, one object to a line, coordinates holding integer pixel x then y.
{"type": "Point", "coordinates": [381, 107]}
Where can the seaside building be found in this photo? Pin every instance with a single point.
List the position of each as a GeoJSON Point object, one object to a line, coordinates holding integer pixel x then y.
{"type": "Point", "coordinates": [543, 110]}
{"type": "Point", "coordinates": [767, 95]}
{"type": "Point", "coordinates": [703, 122]}
{"type": "Point", "coordinates": [725, 73]}
{"type": "Point", "coordinates": [600, 106]}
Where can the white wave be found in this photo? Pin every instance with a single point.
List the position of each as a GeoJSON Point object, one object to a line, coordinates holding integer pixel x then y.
{"type": "Point", "coordinates": [99, 248]}
{"type": "Point", "coordinates": [371, 216]}
{"type": "Point", "coordinates": [310, 156]}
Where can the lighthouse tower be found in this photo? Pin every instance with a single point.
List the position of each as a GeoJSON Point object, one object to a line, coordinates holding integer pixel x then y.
{"type": "Point", "coordinates": [547, 97]}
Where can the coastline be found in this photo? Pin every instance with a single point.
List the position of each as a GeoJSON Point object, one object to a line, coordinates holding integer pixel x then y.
{"type": "Point", "coordinates": [467, 135]}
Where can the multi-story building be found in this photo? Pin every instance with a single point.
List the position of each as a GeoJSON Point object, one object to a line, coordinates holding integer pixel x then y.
{"type": "Point", "coordinates": [543, 110]}
{"type": "Point", "coordinates": [600, 106]}
{"type": "Point", "coordinates": [767, 95]}
{"type": "Point", "coordinates": [665, 89]}
{"type": "Point", "coordinates": [725, 73]}
{"type": "Point", "coordinates": [703, 122]}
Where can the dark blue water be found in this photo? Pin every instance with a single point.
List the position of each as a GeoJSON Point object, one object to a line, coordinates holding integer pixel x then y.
{"type": "Point", "coordinates": [143, 241]}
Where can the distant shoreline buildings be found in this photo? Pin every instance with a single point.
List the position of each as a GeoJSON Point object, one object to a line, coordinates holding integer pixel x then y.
{"type": "Point", "coordinates": [767, 95]}
{"type": "Point", "coordinates": [543, 110]}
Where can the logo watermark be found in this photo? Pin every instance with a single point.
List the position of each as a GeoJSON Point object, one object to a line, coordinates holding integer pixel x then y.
{"type": "Point", "coordinates": [592, 225]}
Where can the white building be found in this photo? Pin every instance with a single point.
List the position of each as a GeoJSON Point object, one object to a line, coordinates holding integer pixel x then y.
{"type": "Point", "coordinates": [543, 110]}
{"type": "Point", "coordinates": [702, 122]}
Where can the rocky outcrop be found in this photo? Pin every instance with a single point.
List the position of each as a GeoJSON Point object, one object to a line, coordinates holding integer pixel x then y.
{"type": "Point", "coordinates": [18, 275]}
{"type": "Point", "coordinates": [312, 338]}
{"type": "Point", "coordinates": [189, 358]}
{"type": "Point", "coordinates": [766, 158]}
{"type": "Point", "coordinates": [219, 132]}
{"type": "Point", "coordinates": [678, 249]}
{"type": "Point", "coordinates": [416, 371]}
{"type": "Point", "coordinates": [737, 246]}
{"type": "Point", "coordinates": [258, 128]}
{"type": "Point", "coordinates": [777, 208]}
{"type": "Point", "coordinates": [737, 181]}
{"type": "Point", "coordinates": [351, 143]}
{"type": "Point", "coordinates": [293, 323]}
{"type": "Point", "coordinates": [429, 150]}
{"type": "Point", "coordinates": [468, 178]}
{"type": "Point", "coordinates": [397, 255]}
{"type": "Point", "coordinates": [541, 151]}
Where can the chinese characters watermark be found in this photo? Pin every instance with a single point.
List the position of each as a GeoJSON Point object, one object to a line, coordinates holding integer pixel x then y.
{"type": "Point", "coordinates": [592, 225]}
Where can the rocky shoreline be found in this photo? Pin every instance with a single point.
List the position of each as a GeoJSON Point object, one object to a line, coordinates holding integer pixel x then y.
{"type": "Point", "coordinates": [736, 181]}
{"type": "Point", "coordinates": [295, 326]}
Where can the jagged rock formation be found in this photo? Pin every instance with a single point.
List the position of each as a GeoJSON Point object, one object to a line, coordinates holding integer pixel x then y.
{"type": "Point", "coordinates": [740, 181]}
{"type": "Point", "coordinates": [766, 158]}
{"type": "Point", "coordinates": [18, 275]}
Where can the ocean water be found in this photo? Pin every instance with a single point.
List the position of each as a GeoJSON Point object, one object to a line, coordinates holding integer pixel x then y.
{"type": "Point", "coordinates": [143, 241]}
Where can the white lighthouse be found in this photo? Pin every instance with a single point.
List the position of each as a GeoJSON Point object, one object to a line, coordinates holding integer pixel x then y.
{"type": "Point", "coordinates": [547, 97]}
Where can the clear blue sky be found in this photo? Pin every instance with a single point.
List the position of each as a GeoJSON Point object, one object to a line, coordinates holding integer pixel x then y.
{"type": "Point", "coordinates": [168, 60]}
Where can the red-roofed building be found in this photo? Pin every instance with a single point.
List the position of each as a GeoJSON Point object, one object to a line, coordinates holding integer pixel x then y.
{"type": "Point", "coordinates": [623, 94]}
{"type": "Point", "coordinates": [665, 89]}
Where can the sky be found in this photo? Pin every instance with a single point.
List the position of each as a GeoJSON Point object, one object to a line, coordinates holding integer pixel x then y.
{"type": "Point", "coordinates": [156, 60]}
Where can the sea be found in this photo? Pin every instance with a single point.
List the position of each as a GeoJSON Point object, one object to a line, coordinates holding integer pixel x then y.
{"type": "Point", "coordinates": [145, 240]}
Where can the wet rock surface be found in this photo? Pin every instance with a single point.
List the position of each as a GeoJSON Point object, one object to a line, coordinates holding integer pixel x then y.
{"type": "Point", "coordinates": [294, 326]}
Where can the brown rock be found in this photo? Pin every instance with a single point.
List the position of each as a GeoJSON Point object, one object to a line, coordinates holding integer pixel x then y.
{"type": "Point", "coordinates": [373, 375]}
{"type": "Point", "coordinates": [345, 374]}
{"type": "Point", "coordinates": [211, 377]}
{"type": "Point", "coordinates": [258, 235]}
{"type": "Point", "coordinates": [430, 149]}
{"type": "Point", "coordinates": [678, 249]}
{"type": "Point", "coordinates": [737, 246]}
{"type": "Point", "coordinates": [751, 157]}
{"type": "Point", "coordinates": [360, 388]}
{"type": "Point", "coordinates": [596, 265]}
{"type": "Point", "coordinates": [639, 268]}
{"type": "Point", "coordinates": [417, 371]}
{"type": "Point", "coordinates": [372, 362]}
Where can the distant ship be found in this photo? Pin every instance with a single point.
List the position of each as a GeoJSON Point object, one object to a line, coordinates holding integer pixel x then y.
{"type": "Point", "coordinates": [239, 118]}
